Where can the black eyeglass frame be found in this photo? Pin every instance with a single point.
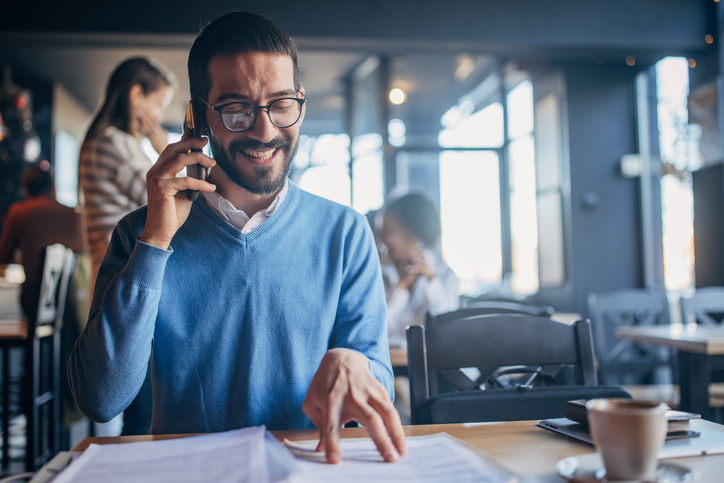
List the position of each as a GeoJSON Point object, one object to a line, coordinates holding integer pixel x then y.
{"type": "Point", "coordinates": [220, 110]}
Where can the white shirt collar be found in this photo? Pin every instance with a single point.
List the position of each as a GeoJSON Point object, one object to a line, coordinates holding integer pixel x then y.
{"type": "Point", "coordinates": [238, 218]}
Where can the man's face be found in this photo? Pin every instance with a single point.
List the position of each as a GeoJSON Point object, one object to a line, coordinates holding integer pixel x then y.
{"type": "Point", "coordinates": [259, 159]}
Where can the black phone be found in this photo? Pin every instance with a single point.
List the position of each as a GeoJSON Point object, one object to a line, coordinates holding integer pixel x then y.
{"type": "Point", "coordinates": [195, 170]}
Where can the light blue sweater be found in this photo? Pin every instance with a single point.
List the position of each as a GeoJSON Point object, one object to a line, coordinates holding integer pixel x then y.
{"type": "Point", "coordinates": [236, 324]}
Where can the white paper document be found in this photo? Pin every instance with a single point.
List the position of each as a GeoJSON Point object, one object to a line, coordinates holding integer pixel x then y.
{"type": "Point", "coordinates": [254, 455]}
{"type": "Point", "coordinates": [230, 457]}
{"type": "Point", "coordinates": [435, 458]}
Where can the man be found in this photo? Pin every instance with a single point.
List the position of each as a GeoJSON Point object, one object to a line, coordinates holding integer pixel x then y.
{"type": "Point", "coordinates": [33, 224]}
{"type": "Point", "coordinates": [258, 303]}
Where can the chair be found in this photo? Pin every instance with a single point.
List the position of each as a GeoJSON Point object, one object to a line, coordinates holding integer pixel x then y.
{"type": "Point", "coordinates": [487, 307]}
{"type": "Point", "coordinates": [40, 336]}
{"type": "Point", "coordinates": [703, 306]}
{"type": "Point", "coordinates": [622, 361]}
{"type": "Point", "coordinates": [541, 345]}
{"type": "Point", "coordinates": [706, 307]}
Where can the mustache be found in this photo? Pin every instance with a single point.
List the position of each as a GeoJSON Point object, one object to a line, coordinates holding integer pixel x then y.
{"type": "Point", "coordinates": [253, 144]}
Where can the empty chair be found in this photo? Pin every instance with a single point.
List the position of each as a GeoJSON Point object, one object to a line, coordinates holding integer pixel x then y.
{"type": "Point", "coordinates": [487, 307]}
{"type": "Point", "coordinates": [543, 346]}
{"type": "Point", "coordinates": [40, 336]}
{"type": "Point", "coordinates": [706, 306]}
{"type": "Point", "coordinates": [622, 361]}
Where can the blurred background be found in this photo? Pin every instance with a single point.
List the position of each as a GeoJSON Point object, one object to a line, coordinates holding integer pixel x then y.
{"type": "Point", "coordinates": [560, 140]}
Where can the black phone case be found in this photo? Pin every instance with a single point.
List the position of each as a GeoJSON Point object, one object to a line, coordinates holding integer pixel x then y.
{"type": "Point", "coordinates": [191, 122]}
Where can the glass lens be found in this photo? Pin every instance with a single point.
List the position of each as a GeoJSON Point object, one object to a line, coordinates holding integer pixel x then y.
{"type": "Point", "coordinates": [238, 116]}
{"type": "Point", "coordinates": [284, 112]}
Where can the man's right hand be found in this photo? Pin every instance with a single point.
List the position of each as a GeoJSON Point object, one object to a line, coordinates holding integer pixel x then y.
{"type": "Point", "coordinates": [168, 204]}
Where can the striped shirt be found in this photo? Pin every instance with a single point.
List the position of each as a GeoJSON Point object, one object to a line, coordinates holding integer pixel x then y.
{"type": "Point", "coordinates": [112, 173]}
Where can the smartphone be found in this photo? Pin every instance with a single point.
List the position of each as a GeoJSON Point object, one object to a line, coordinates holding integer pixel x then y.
{"type": "Point", "coordinates": [195, 170]}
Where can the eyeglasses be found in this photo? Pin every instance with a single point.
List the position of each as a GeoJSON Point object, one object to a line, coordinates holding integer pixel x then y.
{"type": "Point", "coordinates": [240, 116]}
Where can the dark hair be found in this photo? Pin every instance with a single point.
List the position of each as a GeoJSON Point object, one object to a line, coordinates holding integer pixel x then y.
{"type": "Point", "coordinates": [236, 33]}
{"type": "Point", "coordinates": [37, 181]}
{"type": "Point", "coordinates": [116, 109]}
{"type": "Point", "coordinates": [417, 214]}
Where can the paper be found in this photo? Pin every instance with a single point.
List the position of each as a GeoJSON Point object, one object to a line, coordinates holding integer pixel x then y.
{"type": "Point", "coordinates": [435, 458]}
{"type": "Point", "coordinates": [230, 457]}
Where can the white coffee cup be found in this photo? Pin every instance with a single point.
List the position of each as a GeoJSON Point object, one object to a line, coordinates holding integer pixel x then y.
{"type": "Point", "coordinates": [628, 434]}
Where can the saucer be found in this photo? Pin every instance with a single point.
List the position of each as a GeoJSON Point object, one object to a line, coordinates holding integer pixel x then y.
{"type": "Point", "coordinates": [589, 469]}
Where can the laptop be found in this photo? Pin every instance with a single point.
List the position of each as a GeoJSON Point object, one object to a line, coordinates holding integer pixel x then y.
{"type": "Point", "coordinates": [709, 441]}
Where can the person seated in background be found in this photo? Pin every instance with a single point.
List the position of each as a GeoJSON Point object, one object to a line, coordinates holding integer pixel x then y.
{"type": "Point", "coordinates": [33, 224]}
{"type": "Point", "coordinates": [417, 280]}
{"type": "Point", "coordinates": [257, 302]}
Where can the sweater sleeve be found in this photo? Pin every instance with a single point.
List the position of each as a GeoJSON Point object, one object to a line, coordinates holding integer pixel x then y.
{"type": "Point", "coordinates": [361, 312]}
{"type": "Point", "coordinates": [109, 361]}
{"type": "Point", "coordinates": [131, 175]}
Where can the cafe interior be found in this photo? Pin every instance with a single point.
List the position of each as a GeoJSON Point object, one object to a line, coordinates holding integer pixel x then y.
{"type": "Point", "coordinates": [573, 150]}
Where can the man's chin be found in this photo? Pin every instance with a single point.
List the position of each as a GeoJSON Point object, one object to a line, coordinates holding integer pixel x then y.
{"type": "Point", "coordinates": [263, 181]}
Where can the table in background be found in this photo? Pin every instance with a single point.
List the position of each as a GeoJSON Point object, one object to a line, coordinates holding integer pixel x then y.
{"type": "Point", "coordinates": [520, 446]}
{"type": "Point", "coordinates": [700, 350]}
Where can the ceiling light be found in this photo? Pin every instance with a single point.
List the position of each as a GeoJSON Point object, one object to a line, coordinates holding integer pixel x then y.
{"type": "Point", "coordinates": [397, 96]}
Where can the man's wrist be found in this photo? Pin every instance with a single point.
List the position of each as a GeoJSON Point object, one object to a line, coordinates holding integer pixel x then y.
{"type": "Point", "coordinates": [158, 243]}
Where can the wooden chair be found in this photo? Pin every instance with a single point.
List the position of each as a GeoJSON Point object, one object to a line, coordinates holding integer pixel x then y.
{"type": "Point", "coordinates": [621, 361]}
{"type": "Point", "coordinates": [40, 336]}
{"type": "Point", "coordinates": [703, 306]}
{"type": "Point", "coordinates": [539, 344]}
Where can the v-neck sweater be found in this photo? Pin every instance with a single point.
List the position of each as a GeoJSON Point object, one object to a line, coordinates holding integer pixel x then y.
{"type": "Point", "coordinates": [235, 324]}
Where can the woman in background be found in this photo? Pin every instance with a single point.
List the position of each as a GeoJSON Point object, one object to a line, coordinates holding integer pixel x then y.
{"type": "Point", "coordinates": [112, 173]}
{"type": "Point", "coordinates": [417, 280]}
{"type": "Point", "coordinates": [112, 167]}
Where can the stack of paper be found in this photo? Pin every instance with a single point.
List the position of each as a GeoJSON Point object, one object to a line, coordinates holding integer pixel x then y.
{"type": "Point", "coordinates": [253, 455]}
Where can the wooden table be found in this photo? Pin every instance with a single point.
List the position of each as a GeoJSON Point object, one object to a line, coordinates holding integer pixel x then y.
{"type": "Point", "coordinates": [520, 446]}
{"type": "Point", "coordinates": [398, 357]}
{"type": "Point", "coordinates": [700, 350]}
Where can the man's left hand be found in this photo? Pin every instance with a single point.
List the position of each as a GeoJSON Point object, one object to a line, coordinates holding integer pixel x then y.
{"type": "Point", "coordinates": [344, 389]}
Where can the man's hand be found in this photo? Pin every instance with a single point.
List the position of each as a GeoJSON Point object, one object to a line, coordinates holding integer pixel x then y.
{"type": "Point", "coordinates": [344, 389]}
{"type": "Point", "coordinates": [168, 203]}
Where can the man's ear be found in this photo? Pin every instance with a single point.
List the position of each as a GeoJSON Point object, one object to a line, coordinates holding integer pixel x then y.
{"type": "Point", "coordinates": [304, 107]}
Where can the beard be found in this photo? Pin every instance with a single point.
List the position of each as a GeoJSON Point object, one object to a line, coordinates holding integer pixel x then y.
{"type": "Point", "coordinates": [262, 181]}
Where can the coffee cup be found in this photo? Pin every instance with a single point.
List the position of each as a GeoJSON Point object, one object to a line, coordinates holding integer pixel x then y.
{"type": "Point", "coordinates": [628, 434]}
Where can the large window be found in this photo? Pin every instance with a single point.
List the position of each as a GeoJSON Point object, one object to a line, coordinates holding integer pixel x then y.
{"type": "Point", "coordinates": [677, 202]}
{"type": "Point", "coordinates": [324, 162]}
{"type": "Point", "coordinates": [470, 214]}
{"type": "Point", "coordinates": [521, 168]}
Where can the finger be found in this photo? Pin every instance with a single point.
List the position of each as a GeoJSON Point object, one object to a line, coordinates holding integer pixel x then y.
{"type": "Point", "coordinates": [172, 166]}
{"type": "Point", "coordinates": [375, 426]}
{"type": "Point", "coordinates": [320, 445]}
{"type": "Point", "coordinates": [330, 429]}
{"type": "Point", "coordinates": [391, 418]}
{"type": "Point", "coordinates": [174, 185]}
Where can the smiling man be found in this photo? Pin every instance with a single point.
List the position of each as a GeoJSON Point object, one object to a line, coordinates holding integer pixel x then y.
{"type": "Point", "coordinates": [258, 303]}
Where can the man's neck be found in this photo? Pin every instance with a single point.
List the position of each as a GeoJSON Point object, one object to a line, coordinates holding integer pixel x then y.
{"type": "Point", "coordinates": [242, 199]}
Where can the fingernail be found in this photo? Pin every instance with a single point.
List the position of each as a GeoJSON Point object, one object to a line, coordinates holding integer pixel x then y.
{"type": "Point", "coordinates": [392, 455]}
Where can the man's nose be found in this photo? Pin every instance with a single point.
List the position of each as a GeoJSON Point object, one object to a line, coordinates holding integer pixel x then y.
{"type": "Point", "coordinates": [263, 130]}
